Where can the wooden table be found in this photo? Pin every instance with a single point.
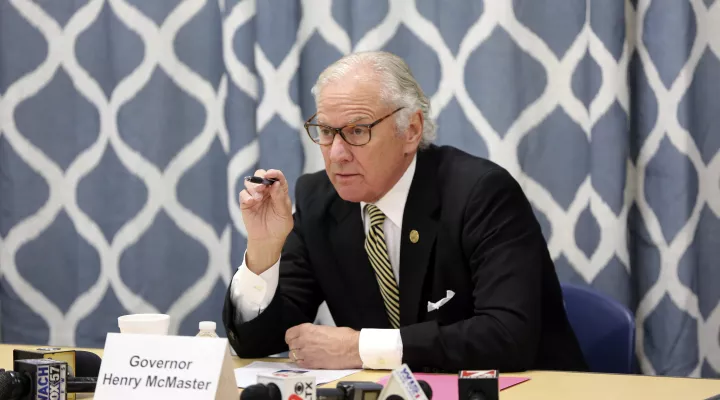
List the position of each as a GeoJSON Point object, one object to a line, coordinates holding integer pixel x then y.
{"type": "Point", "coordinates": [542, 385]}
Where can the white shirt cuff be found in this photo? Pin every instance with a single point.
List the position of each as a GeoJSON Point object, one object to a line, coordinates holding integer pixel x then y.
{"type": "Point", "coordinates": [381, 348]}
{"type": "Point", "coordinates": [252, 293]}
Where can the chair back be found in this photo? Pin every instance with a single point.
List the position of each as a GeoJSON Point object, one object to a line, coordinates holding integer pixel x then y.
{"type": "Point", "coordinates": [604, 327]}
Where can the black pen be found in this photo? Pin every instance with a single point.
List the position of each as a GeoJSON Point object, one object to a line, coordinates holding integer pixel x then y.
{"type": "Point", "coordinates": [257, 179]}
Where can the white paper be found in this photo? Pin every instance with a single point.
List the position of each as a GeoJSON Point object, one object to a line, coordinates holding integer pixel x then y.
{"type": "Point", "coordinates": [434, 306]}
{"type": "Point", "coordinates": [247, 375]}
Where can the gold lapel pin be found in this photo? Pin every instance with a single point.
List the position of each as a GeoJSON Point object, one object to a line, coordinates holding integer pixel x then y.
{"type": "Point", "coordinates": [414, 236]}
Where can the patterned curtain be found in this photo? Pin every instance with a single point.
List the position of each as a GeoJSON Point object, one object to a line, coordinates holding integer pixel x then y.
{"type": "Point", "coordinates": [126, 127]}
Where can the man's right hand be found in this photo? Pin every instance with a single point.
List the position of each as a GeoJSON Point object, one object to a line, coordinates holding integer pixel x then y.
{"type": "Point", "coordinates": [267, 214]}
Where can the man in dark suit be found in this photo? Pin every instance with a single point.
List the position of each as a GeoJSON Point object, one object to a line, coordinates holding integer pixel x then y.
{"type": "Point", "coordinates": [424, 254]}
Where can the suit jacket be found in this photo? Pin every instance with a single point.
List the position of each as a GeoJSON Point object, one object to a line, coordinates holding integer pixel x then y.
{"type": "Point", "coordinates": [478, 237]}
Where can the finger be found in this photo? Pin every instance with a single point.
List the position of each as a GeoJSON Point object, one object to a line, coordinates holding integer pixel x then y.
{"type": "Point", "coordinates": [246, 199]}
{"type": "Point", "coordinates": [255, 189]}
{"type": "Point", "coordinates": [303, 364]}
{"type": "Point", "coordinates": [297, 343]}
{"type": "Point", "coordinates": [292, 334]}
{"type": "Point", "coordinates": [311, 361]}
{"type": "Point", "coordinates": [275, 174]}
{"type": "Point", "coordinates": [259, 187]}
{"type": "Point", "coordinates": [250, 187]}
{"type": "Point", "coordinates": [279, 190]}
{"type": "Point", "coordinates": [281, 183]}
{"type": "Point", "coordinates": [296, 355]}
{"type": "Point", "coordinates": [297, 332]}
{"type": "Point", "coordinates": [299, 355]}
{"type": "Point", "coordinates": [293, 345]}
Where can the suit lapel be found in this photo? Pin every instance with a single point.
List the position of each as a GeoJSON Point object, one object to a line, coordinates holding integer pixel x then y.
{"type": "Point", "coordinates": [418, 235]}
{"type": "Point", "coordinates": [347, 236]}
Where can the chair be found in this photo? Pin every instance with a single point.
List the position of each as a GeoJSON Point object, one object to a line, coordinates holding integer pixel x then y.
{"type": "Point", "coordinates": [604, 328]}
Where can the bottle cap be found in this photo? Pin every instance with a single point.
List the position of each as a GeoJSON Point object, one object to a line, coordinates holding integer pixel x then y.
{"type": "Point", "coordinates": [207, 325]}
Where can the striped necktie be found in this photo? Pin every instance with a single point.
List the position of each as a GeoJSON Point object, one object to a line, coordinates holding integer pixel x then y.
{"type": "Point", "coordinates": [380, 261]}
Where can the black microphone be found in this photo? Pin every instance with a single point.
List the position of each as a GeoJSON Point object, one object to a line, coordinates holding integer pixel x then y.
{"type": "Point", "coordinates": [34, 379]}
{"type": "Point", "coordinates": [79, 362]}
{"type": "Point", "coordinates": [87, 364]}
{"type": "Point", "coordinates": [330, 394]}
{"type": "Point", "coordinates": [40, 378]}
{"type": "Point", "coordinates": [260, 391]}
{"type": "Point", "coordinates": [81, 384]}
{"type": "Point", "coordinates": [426, 388]}
{"type": "Point", "coordinates": [17, 385]}
{"type": "Point", "coordinates": [423, 385]}
{"type": "Point", "coordinates": [87, 369]}
{"type": "Point", "coordinates": [14, 385]}
{"type": "Point", "coordinates": [478, 385]}
{"type": "Point", "coordinates": [350, 390]}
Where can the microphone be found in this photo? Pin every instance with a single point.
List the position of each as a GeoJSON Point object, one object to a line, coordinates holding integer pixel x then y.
{"type": "Point", "coordinates": [331, 394]}
{"type": "Point", "coordinates": [426, 388]}
{"type": "Point", "coordinates": [87, 369]}
{"type": "Point", "coordinates": [84, 363]}
{"type": "Point", "coordinates": [16, 380]}
{"type": "Point", "coordinates": [423, 384]}
{"type": "Point", "coordinates": [261, 391]}
{"type": "Point", "coordinates": [402, 383]}
{"type": "Point", "coordinates": [478, 385]}
{"type": "Point", "coordinates": [87, 364]}
{"type": "Point", "coordinates": [35, 379]}
{"type": "Point", "coordinates": [293, 384]}
{"type": "Point", "coordinates": [80, 363]}
{"type": "Point", "coordinates": [351, 390]}
{"type": "Point", "coordinates": [42, 379]}
{"type": "Point", "coordinates": [345, 390]}
{"type": "Point", "coordinates": [13, 385]}
{"type": "Point", "coordinates": [81, 384]}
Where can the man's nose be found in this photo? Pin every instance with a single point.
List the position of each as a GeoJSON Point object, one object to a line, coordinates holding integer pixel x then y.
{"type": "Point", "coordinates": [339, 150]}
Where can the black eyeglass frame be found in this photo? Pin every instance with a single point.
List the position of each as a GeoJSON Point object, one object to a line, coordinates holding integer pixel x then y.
{"type": "Point", "coordinates": [339, 130]}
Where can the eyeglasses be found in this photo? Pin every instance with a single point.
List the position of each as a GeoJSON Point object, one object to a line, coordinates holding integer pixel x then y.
{"type": "Point", "coordinates": [353, 134]}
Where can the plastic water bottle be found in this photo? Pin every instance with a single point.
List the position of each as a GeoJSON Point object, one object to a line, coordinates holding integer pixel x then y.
{"type": "Point", "coordinates": [207, 329]}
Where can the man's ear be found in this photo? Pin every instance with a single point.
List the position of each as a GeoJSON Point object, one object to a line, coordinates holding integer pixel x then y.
{"type": "Point", "coordinates": [413, 134]}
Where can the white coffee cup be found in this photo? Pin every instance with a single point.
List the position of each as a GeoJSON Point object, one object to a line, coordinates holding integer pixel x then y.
{"type": "Point", "coordinates": [152, 324]}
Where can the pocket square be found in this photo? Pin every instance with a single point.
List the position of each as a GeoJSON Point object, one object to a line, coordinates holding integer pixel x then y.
{"type": "Point", "coordinates": [434, 306]}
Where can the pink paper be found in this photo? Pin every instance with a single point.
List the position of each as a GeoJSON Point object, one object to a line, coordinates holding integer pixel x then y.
{"type": "Point", "coordinates": [446, 386]}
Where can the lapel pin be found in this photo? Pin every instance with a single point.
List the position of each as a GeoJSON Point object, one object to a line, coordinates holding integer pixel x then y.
{"type": "Point", "coordinates": [414, 236]}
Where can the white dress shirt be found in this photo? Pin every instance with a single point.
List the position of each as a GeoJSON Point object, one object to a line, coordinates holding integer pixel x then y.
{"type": "Point", "coordinates": [379, 348]}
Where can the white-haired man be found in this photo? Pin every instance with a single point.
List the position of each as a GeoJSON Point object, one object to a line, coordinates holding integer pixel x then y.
{"type": "Point", "coordinates": [424, 254]}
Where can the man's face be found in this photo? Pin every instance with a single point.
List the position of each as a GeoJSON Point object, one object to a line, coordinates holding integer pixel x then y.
{"type": "Point", "coordinates": [364, 173]}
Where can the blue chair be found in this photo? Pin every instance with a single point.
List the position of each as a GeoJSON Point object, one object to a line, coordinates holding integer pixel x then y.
{"type": "Point", "coordinates": [604, 328]}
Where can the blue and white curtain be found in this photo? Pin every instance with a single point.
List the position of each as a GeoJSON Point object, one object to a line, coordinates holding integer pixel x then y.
{"type": "Point", "coordinates": [126, 127]}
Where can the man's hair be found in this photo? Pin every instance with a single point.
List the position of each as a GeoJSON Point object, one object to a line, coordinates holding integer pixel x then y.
{"type": "Point", "coordinates": [399, 87]}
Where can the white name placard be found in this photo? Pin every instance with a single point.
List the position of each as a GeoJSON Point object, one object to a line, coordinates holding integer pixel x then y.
{"type": "Point", "coordinates": [139, 366]}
